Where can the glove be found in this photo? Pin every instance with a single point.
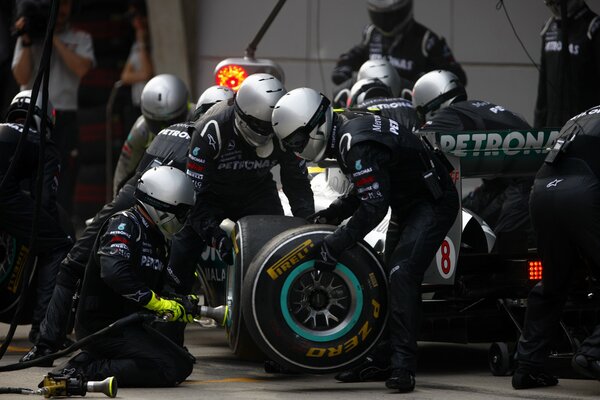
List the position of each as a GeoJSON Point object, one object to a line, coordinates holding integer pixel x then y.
{"type": "Point", "coordinates": [224, 247]}
{"type": "Point", "coordinates": [325, 260]}
{"type": "Point", "coordinates": [171, 309]}
{"type": "Point", "coordinates": [189, 304]}
{"type": "Point", "coordinates": [326, 216]}
{"type": "Point", "coordinates": [340, 75]}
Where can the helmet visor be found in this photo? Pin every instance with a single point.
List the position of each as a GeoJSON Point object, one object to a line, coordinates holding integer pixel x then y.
{"type": "Point", "coordinates": [258, 126]}
{"type": "Point", "coordinates": [298, 139]}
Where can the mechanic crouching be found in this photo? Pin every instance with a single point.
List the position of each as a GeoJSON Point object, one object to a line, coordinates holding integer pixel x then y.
{"type": "Point", "coordinates": [565, 211]}
{"type": "Point", "coordinates": [17, 207]}
{"type": "Point", "coordinates": [389, 167]}
{"type": "Point", "coordinates": [124, 276]}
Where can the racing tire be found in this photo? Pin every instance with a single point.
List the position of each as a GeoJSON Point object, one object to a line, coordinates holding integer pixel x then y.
{"type": "Point", "coordinates": [314, 322]}
{"type": "Point", "coordinates": [13, 252]}
{"type": "Point", "coordinates": [500, 359]}
{"type": "Point", "coordinates": [250, 234]}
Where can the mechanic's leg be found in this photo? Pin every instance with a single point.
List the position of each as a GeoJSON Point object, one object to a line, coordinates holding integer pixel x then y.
{"type": "Point", "coordinates": [138, 357]}
{"type": "Point", "coordinates": [587, 229]}
{"type": "Point", "coordinates": [422, 233]}
{"type": "Point", "coordinates": [47, 270]}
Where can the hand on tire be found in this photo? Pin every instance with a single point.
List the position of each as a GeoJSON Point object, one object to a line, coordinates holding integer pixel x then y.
{"type": "Point", "coordinates": [325, 260]}
{"type": "Point", "coordinates": [224, 246]}
{"type": "Point", "coordinates": [326, 216]}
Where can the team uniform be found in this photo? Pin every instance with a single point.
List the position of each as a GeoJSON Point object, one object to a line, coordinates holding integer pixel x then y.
{"type": "Point", "coordinates": [565, 215]}
{"type": "Point", "coordinates": [232, 181]}
{"type": "Point", "coordinates": [566, 90]}
{"type": "Point", "coordinates": [387, 164]}
{"type": "Point", "coordinates": [413, 52]}
{"type": "Point", "coordinates": [128, 263]}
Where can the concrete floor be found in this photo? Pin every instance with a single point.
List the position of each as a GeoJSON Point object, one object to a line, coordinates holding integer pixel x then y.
{"type": "Point", "coordinates": [447, 371]}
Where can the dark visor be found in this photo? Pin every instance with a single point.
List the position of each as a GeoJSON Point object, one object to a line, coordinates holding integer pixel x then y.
{"type": "Point", "coordinates": [297, 140]}
{"type": "Point", "coordinates": [181, 211]}
{"type": "Point", "coordinates": [263, 128]}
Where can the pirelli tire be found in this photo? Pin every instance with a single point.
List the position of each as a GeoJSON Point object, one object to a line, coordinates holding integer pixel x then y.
{"type": "Point", "coordinates": [13, 253]}
{"type": "Point", "coordinates": [250, 234]}
{"type": "Point", "coordinates": [314, 322]}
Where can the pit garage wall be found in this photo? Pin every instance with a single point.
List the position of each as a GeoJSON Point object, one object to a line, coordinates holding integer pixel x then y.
{"type": "Point", "coordinates": [308, 35]}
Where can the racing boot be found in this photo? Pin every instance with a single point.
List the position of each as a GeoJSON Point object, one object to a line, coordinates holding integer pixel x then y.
{"type": "Point", "coordinates": [402, 380]}
{"type": "Point", "coordinates": [75, 366]}
{"type": "Point", "coordinates": [36, 352]}
{"type": "Point", "coordinates": [370, 370]}
{"type": "Point", "coordinates": [586, 366]}
{"type": "Point", "coordinates": [528, 377]}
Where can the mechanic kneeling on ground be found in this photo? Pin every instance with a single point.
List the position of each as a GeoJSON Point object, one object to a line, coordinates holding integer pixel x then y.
{"type": "Point", "coordinates": [389, 167]}
{"type": "Point", "coordinates": [170, 147]}
{"type": "Point", "coordinates": [124, 276]}
{"type": "Point", "coordinates": [566, 217]}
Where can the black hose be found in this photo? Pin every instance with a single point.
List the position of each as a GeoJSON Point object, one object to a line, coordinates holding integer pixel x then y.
{"type": "Point", "coordinates": [43, 73]}
{"type": "Point", "coordinates": [15, 390]}
{"type": "Point", "coordinates": [118, 324]}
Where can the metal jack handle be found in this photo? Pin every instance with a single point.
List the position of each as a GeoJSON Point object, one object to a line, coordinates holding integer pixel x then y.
{"type": "Point", "coordinates": [251, 49]}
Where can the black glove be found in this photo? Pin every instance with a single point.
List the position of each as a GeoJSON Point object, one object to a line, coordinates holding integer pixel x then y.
{"type": "Point", "coordinates": [326, 216]}
{"type": "Point", "coordinates": [224, 247]}
{"type": "Point", "coordinates": [340, 75]}
{"type": "Point", "coordinates": [325, 259]}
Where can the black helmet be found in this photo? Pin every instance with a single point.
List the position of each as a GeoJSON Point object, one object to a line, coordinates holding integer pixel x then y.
{"type": "Point", "coordinates": [390, 16]}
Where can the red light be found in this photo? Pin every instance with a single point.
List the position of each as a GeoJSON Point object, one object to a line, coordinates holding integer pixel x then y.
{"type": "Point", "coordinates": [535, 270]}
{"type": "Point", "coordinates": [231, 76]}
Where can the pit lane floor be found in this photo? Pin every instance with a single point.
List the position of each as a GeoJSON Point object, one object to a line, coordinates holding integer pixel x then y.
{"type": "Point", "coordinates": [447, 371]}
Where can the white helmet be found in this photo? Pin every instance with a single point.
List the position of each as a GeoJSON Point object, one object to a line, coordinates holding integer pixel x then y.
{"type": "Point", "coordinates": [435, 90]}
{"type": "Point", "coordinates": [167, 195]}
{"type": "Point", "coordinates": [164, 102]}
{"type": "Point", "coordinates": [212, 96]}
{"type": "Point", "coordinates": [384, 71]}
{"type": "Point", "coordinates": [366, 89]}
{"type": "Point", "coordinates": [303, 121]}
{"type": "Point", "coordinates": [20, 105]}
{"type": "Point", "coordinates": [390, 16]}
{"type": "Point", "coordinates": [254, 104]}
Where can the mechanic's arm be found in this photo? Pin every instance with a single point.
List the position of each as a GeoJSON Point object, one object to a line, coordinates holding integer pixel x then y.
{"type": "Point", "coordinates": [296, 185]}
{"type": "Point", "coordinates": [22, 64]}
{"type": "Point", "coordinates": [440, 56]}
{"type": "Point", "coordinates": [131, 153]}
{"type": "Point", "coordinates": [201, 170]}
{"type": "Point", "coordinates": [351, 61]}
{"type": "Point", "coordinates": [373, 191]}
